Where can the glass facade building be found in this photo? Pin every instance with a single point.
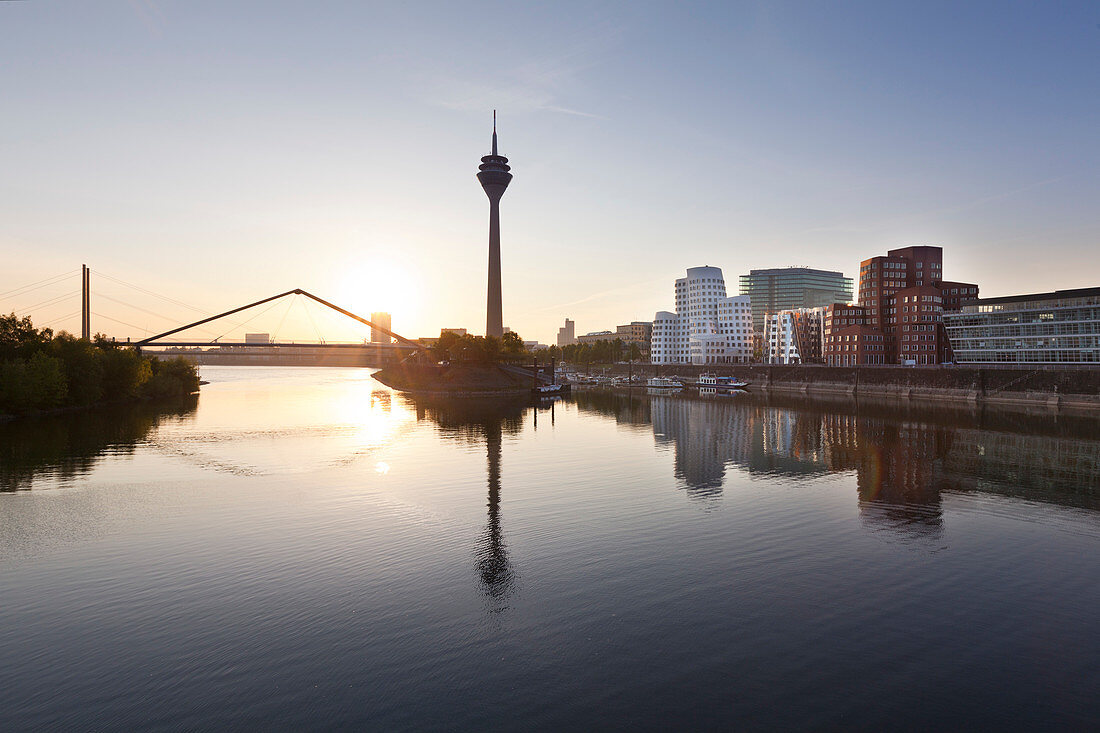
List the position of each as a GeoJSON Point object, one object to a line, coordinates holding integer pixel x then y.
{"type": "Point", "coordinates": [788, 288]}
{"type": "Point", "coordinates": [1062, 327]}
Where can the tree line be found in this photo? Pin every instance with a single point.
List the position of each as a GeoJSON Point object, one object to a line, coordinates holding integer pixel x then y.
{"type": "Point", "coordinates": [601, 352]}
{"type": "Point", "coordinates": [485, 349]}
{"type": "Point", "coordinates": [465, 347]}
{"type": "Point", "coordinates": [40, 370]}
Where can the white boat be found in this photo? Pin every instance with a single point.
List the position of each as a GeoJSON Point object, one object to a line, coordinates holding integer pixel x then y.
{"type": "Point", "coordinates": [718, 383]}
{"type": "Point", "coordinates": [550, 390]}
{"type": "Point", "coordinates": [663, 383]}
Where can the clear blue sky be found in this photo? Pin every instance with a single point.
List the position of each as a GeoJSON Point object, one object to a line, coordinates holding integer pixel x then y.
{"type": "Point", "coordinates": [219, 152]}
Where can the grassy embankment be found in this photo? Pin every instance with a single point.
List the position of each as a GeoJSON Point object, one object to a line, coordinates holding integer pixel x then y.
{"type": "Point", "coordinates": [41, 371]}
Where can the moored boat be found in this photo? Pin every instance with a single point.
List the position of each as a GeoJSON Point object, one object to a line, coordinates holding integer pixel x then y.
{"type": "Point", "coordinates": [719, 383]}
{"type": "Point", "coordinates": [550, 390]}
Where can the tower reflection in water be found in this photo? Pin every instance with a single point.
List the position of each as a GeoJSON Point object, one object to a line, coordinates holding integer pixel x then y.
{"type": "Point", "coordinates": [904, 458]}
{"type": "Point", "coordinates": [475, 422]}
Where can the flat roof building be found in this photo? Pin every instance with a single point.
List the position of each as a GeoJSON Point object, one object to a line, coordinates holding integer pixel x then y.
{"type": "Point", "coordinates": [902, 300]}
{"type": "Point", "coordinates": [1061, 327]}
{"type": "Point", "coordinates": [567, 333]}
{"type": "Point", "coordinates": [382, 319]}
{"type": "Point", "coordinates": [787, 288]}
{"type": "Point", "coordinates": [594, 336]}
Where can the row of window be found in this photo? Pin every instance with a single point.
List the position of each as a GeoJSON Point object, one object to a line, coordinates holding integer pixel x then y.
{"type": "Point", "coordinates": [1026, 329]}
{"type": "Point", "coordinates": [1022, 356]}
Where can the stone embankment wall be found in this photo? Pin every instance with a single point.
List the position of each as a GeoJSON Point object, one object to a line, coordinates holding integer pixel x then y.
{"type": "Point", "coordinates": [1055, 387]}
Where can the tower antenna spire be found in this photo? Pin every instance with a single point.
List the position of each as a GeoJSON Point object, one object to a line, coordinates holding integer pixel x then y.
{"type": "Point", "coordinates": [494, 176]}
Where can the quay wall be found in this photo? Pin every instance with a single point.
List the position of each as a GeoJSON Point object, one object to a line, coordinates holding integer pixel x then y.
{"type": "Point", "coordinates": [1077, 388]}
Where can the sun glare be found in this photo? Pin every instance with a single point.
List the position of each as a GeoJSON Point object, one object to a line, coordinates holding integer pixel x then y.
{"type": "Point", "coordinates": [380, 286]}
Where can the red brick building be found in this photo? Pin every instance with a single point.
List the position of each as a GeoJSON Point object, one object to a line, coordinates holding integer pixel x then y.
{"type": "Point", "coordinates": [902, 297]}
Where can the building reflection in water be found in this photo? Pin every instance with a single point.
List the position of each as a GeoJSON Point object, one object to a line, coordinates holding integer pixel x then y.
{"type": "Point", "coordinates": [475, 422]}
{"type": "Point", "coordinates": [904, 457]}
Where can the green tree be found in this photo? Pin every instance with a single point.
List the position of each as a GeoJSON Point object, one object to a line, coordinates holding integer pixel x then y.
{"type": "Point", "coordinates": [170, 378]}
{"type": "Point", "coordinates": [83, 368]}
{"type": "Point", "coordinates": [19, 339]}
{"type": "Point", "coordinates": [512, 344]}
{"type": "Point", "coordinates": [40, 371]}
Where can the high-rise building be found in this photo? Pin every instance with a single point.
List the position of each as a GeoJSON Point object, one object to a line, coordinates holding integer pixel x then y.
{"type": "Point", "coordinates": [795, 336]}
{"type": "Point", "coordinates": [494, 177]}
{"type": "Point", "coordinates": [1062, 327]}
{"type": "Point", "coordinates": [707, 327]}
{"type": "Point", "coordinates": [898, 320]}
{"type": "Point", "coordinates": [377, 336]}
{"type": "Point", "coordinates": [567, 334]}
{"type": "Point", "coordinates": [787, 288]}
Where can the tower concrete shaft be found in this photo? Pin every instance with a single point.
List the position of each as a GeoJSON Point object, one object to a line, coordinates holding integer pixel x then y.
{"type": "Point", "coordinates": [85, 302]}
{"type": "Point", "coordinates": [494, 177]}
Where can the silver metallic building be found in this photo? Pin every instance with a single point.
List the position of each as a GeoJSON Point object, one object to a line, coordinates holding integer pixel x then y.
{"type": "Point", "coordinates": [1062, 327]}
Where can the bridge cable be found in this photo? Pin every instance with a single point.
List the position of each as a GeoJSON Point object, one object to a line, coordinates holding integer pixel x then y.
{"type": "Point", "coordinates": [275, 333]}
{"type": "Point", "coordinates": [151, 292]}
{"type": "Point", "coordinates": [143, 310]}
{"type": "Point", "coordinates": [47, 303]}
{"type": "Point", "coordinates": [48, 324]}
{"type": "Point", "coordinates": [240, 325]}
{"type": "Point", "coordinates": [124, 323]}
{"type": "Point", "coordinates": [157, 295]}
{"type": "Point", "coordinates": [316, 330]}
{"type": "Point", "coordinates": [40, 284]}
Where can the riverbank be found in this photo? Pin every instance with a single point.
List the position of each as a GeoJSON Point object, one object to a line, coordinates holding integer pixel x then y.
{"type": "Point", "coordinates": [463, 379]}
{"type": "Point", "coordinates": [42, 373]}
{"type": "Point", "coordinates": [1057, 388]}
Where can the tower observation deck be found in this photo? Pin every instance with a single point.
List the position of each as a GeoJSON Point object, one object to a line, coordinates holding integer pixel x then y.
{"type": "Point", "coordinates": [494, 177]}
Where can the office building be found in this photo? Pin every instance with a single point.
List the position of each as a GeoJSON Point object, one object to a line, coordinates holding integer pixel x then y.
{"type": "Point", "coordinates": [594, 336]}
{"type": "Point", "coordinates": [787, 288]}
{"type": "Point", "coordinates": [1062, 327]}
{"type": "Point", "coordinates": [636, 332]}
{"type": "Point", "coordinates": [898, 319]}
{"type": "Point", "coordinates": [377, 336]}
{"type": "Point", "coordinates": [707, 327]}
{"type": "Point", "coordinates": [567, 334]}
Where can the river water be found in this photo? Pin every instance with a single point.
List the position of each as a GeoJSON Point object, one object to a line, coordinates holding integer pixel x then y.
{"type": "Point", "coordinates": [303, 548]}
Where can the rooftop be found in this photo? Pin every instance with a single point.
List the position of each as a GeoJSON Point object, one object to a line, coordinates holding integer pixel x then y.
{"type": "Point", "coordinates": [1056, 295]}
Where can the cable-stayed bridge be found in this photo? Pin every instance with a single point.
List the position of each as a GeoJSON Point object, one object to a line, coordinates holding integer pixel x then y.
{"type": "Point", "coordinates": [214, 338]}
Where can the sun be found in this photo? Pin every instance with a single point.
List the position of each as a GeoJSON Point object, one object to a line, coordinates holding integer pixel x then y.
{"type": "Point", "coordinates": [379, 285]}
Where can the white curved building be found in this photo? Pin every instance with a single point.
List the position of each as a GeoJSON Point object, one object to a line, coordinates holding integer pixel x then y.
{"type": "Point", "coordinates": [707, 327]}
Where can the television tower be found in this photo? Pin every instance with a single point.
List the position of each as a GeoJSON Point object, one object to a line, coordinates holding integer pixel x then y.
{"type": "Point", "coordinates": [494, 178]}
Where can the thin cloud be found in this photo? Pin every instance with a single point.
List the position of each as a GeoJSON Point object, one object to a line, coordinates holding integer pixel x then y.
{"type": "Point", "coordinates": [647, 286]}
{"type": "Point", "coordinates": [878, 224]}
{"type": "Point", "coordinates": [466, 97]}
{"type": "Point", "coordinates": [150, 15]}
{"type": "Point", "coordinates": [538, 85]}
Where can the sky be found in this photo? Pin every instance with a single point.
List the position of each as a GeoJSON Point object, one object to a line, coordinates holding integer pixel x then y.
{"type": "Point", "coordinates": [215, 153]}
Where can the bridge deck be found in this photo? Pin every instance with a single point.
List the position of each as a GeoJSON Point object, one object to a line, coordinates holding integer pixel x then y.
{"type": "Point", "coordinates": [276, 345]}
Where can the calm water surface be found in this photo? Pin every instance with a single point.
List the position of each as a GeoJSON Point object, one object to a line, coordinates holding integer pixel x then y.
{"type": "Point", "coordinates": [303, 548]}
